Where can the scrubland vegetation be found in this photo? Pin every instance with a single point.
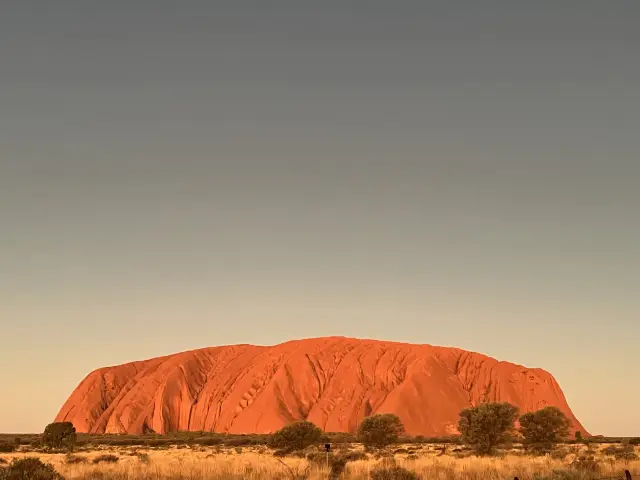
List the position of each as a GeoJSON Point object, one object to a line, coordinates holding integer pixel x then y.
{"type": "Point", "coordinates": [489, 448]}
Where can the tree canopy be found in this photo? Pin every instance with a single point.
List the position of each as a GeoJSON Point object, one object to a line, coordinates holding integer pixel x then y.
{"type": "Point", "coordinates": [59, 435]}
{"type": "Point", "coordinates": [545, 427]}
{"type": "Point", "coordinates": [380, 430]}
{"type": "Point", "coordinates": [487, 425]}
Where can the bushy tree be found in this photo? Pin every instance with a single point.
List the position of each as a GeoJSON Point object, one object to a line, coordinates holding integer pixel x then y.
{"type": "Point", "coordinates": [487, 425]}
{"type": "Point", "coordinates": [543, 429]}
{"type": "Point", "coordinates": [296, 436]}
{"type": "Point", "coordinates": [380, 430]}
{"type": "Point", "coordinates": [60, 435]}
{"type": "Point", "coordinates": [578, 436]}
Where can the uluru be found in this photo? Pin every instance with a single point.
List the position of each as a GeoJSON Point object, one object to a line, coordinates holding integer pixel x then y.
{"type": "Point", "coordinates": [333, 382]}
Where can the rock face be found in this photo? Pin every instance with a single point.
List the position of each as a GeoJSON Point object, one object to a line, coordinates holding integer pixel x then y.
{"type": "Point", "coordinates": [333, 382]}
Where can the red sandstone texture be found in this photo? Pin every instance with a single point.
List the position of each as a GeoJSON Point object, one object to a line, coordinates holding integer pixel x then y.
{"type": "Point", "coordinates": [333, 382]}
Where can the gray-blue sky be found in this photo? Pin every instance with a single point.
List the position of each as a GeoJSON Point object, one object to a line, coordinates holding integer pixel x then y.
{"type": "Point", "coordinates": [183, 174]}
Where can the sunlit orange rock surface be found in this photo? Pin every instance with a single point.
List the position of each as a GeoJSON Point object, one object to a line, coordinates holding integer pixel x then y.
{"type": "Point", "coordinates": [333, 382]}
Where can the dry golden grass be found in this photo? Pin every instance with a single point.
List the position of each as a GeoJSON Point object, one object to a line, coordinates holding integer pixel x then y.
{"type": "Point", "coordinates": [259, 464]}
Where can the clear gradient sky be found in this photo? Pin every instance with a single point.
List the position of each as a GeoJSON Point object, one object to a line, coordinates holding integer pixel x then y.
{"type": "Point", "coordinates": [176, 175]}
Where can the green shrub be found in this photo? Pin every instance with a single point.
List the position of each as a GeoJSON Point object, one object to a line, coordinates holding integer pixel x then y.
{"type": "Point", "coordinates": [29, 469]}
{"type": "Point", "coordinates": [380, 430]}
{"type": "Point", "coordinates": [487, 426]}
{"type": "Point", "coordinates": [296, 436]}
